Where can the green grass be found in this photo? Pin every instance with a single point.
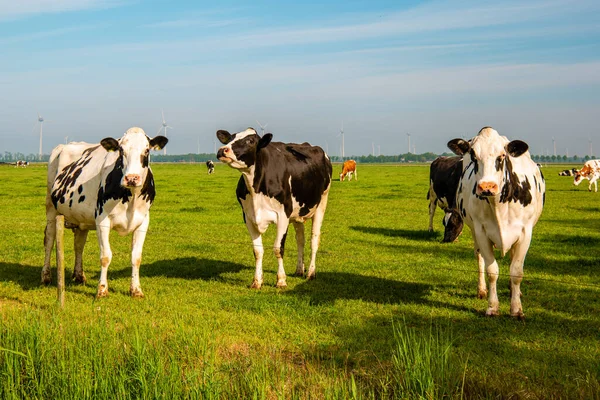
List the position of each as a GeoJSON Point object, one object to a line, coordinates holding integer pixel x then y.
{"type": "Point", "coordinates": [393, 312]}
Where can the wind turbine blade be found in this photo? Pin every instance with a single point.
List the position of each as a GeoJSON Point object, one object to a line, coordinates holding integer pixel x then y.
{"type": "Point", "coordinates": [162, 111]}
{"type": "Point", "coordinates": [159, 129]}
{"type": "Point", "coordinates": [265, 125]}
{"type": "Point", "coordinates": [34, 126]}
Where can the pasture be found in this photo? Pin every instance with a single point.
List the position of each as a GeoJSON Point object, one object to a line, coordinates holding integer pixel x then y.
{"type": "Point", "coordinates": [393, 312]}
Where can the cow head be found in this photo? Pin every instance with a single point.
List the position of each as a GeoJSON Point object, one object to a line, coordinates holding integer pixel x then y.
{"type": "Point", "coordinates": [580, 175]}
{"type": "Point", "coordinates": [240, 148]}
{"type": "Point", "coordinates": [453, 226]}
{"type": "Point", "coordinates": [488, 153]}
{"type": "Point", "coordinates": [134, 152]}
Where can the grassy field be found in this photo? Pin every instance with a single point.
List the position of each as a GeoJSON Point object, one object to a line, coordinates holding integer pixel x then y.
{"type": "Point", "coordinates": [393, 312]}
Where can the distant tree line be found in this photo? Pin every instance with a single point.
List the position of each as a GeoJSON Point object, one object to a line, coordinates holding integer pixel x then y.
{"type": "Point", "coordinates": [8, 157]}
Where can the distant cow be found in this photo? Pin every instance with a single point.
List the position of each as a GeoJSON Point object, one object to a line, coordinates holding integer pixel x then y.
{"type": "Point", "coordinates": [444, 175]}
{"type": "Point", "coordinates": [21, 163]}
{"type": "Point", "coordinates": [280, 183]}
{"type": "Point", "coordinates": [500, 196]}
{"type": "Point", "coordinates": [348, 168]}
{"type": "Point", "coordinates": [568, 172]}
{"type": "Point", "coordinates": [210, 166]}
{"type": "Point", "coordinates": [102, 186]}
{"type": "Point", "coordinates": [591, 171]}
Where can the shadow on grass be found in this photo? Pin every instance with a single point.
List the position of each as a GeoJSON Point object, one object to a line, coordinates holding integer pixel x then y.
{"type": "Point", "coordinates": [331, 286]}
{"type": "Point", "coordinates": [27, 276]}
{"type": "Point", "coordinates": [185, 268]}
{"type": "Point", "coordinates": [404, 233]}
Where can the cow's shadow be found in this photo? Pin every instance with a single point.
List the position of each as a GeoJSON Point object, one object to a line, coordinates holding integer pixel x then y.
{"type": "Point", "coordinates": [331, 286]}
{"type": "Point", "coordinates": [191, 268]}
{"type": "Point", "coordinates": [403, 233]}
{"type": "Point", "coordinates": [28, 277]}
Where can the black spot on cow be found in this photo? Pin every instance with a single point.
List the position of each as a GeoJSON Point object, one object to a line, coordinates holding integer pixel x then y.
{"type": "Point", "coordinates": [513, 189]}
{"type": "Point", "coordinates": [70, 203]}
{"type": "Point", "coordinates": [111, 188]}
{"type": "Point", "coordinates": [68, 176]}
{"type": "Point", "coordinates": [80, 189]}
{"type": "Point", "coordinates": [148, 190]}
{"type": "Point", "coordinates": [499, 164]}
{"type": "Point", "coordinates": [144, 158]}
{"type": "Point", "coordinates": [71, 195]}
{"type": "Point", "coordinates": [81, 199]}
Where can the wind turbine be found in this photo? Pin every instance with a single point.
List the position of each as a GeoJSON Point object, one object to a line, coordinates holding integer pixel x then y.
{"type": "Point", "coordinates": [342, 135]}
{"type": "Point", "coordinates": [40, 120]}
{"type": "Point", "coordinates": [164, 126]}
{"type": "Point", "coordinates": [554, 144]}
{"type": "Point", "coordinates": [408, 134]}
{"type": "Point", "coordinates": [262, 127]}
{"type": "Point", "coordinates": [591, 151]}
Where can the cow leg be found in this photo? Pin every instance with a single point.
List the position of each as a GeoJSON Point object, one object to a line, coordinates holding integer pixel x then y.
{"type": "Point", "coordinates": [481, 286]}
{"type": "Point", "coordinates": [279, 249]}
{"type": "Point", "coordinates": [49, 239]}
{"type": "Point", "coordinates": [317, 221]}
{"type": "Point", "coordinates": [299, 227]}
{"type": "Point", "coordinates": [103, 231]}
{"type": "Point", "coordinates": [79, 239]}
{"type": "Point", "coordinates": [137, 245]}
{"type": "Point", "coordinates": [432, 206]}
{"type": "Point", "coordinates": [593, 181]}
{"type": "Point", "coordinates": [487, 252]}
{"type": "Point", "coordinates": [258, 249]}
{"type": "Point", "coordinates": [517, 258]}
{"type": "Point", "coordinates": [355, 175]}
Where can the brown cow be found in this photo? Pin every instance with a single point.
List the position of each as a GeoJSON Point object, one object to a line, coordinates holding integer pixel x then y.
{"type": "Point", "coordinates": [348, 169]}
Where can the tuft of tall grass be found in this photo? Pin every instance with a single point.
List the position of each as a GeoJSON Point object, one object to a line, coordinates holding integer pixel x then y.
{"type": "Point", "coordinates": [424, 365]}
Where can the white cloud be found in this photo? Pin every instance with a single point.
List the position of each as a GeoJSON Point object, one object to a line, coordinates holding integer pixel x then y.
{"type": "Point", "coordinates": [14, 9]}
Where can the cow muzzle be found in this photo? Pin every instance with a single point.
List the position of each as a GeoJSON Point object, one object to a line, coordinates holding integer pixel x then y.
{"type": "Point", "coordinates": [224, 154]}
{"type": "Point", "coordinates": [132, 180]}
{"type": "Point", "coordinates": [486, 189]}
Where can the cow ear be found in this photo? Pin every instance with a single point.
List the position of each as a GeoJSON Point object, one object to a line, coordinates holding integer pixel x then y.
{"type": "Point", "coordinates": [110, 144]}
{"type": "Point", "coordinates": [265, 140]}
{"type": "Point", "coordinates": [459, 146]}
{"type": "Point", "coordinates": [223, 136]}
{"type": "Point", "coordinates": [158, 142]}
{"type": "Point", "coordinates": [517, 148]}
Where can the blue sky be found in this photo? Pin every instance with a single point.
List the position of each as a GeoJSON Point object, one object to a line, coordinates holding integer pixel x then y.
{"type": "Point", "coordinates": [434, 69]}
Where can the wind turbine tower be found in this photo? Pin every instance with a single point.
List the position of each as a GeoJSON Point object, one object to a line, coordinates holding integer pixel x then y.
{"type": "Point", "coordinates": [164, 126]}
{"type": "Point", "coordinates": [408, 134]}
{"type": "Point", "coordinates": [40, 120]}
{"type": "Point", "coordinates": [554, 144]}
{"type": "Point", "coordinates": [262, 127]}
{"type": "Point", "coordinates": [591, 151]}
{"type": "Point", "coordinates": [342, 134]}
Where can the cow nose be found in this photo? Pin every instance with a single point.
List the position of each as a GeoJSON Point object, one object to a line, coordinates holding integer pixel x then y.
{"type": "Point", "coordinates": [132, 180]}
{"type": "Point", "coordinates": [222, 152]}
{"type": "Point", "coordinates": [487, 187]}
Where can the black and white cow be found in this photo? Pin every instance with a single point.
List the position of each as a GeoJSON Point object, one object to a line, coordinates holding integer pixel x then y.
{"type": "Point", "coordinates": [500, 196]}
{"type": "Point", "coordinates": [280, 183]}
{"type": "Point", "coordinates": [568, 172]}
{"type": "Point", "coordinates": [444, 175]}
{"type": "Point", "coordinates": [102, 186]}
{"type": "Point", "coordinates": [210, 166]}
{"type": "Point", "coordinates": [22, 163]}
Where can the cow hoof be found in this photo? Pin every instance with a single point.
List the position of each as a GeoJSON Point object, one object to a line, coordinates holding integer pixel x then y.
{"type": "Point", "coordinates": [255, 284]}
{"type": "Point", "coordinates": [79, 278]}
{"type": "Point", "coordinates": [312, 276]}
{"type": "Point", "coordinates": [299, 273]}
{"type": "Point", "coordinates": [102, 292]}
{"type": "Point", "coordinates": [491, 313]}
{"type": "Point", "coordinates": [482, 294]}
{"type": "Point", "coordinates": [518, 315]}
{"type": "Point", "coordinates": [281, 284]}
{"type": "Point", "coordinates": [136, 292]}
{"type": "Point", "coordinates": [46, 279]}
